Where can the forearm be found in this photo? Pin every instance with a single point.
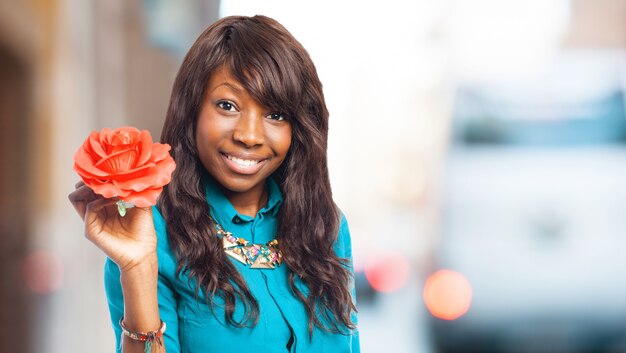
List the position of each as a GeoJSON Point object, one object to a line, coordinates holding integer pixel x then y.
{"type": "Point", "coordinates": [141, 306]}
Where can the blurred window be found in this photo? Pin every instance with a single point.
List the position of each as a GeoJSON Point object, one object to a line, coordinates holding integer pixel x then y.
{"type": "Point", "coordinates": [578, 99]}
{"type": "Point", "coordinates": [487, 119]}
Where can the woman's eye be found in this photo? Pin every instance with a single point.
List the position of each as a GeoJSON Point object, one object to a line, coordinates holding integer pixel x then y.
{"type": "Point", "coordinates": [225, 105]}
{"type": "Point", "coordinates": [278, 116]}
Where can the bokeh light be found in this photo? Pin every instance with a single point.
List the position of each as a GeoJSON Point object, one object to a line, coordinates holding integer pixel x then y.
{"type": "Point", "coordinates": [387, 272]}
{"type": "Point", "coordinates": [447, 294]}
{"type": "Point", "coordinates": [43, 272]}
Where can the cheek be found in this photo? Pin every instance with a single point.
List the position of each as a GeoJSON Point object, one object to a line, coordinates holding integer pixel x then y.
{"type": "Point", "coordinates": [284, 141]}
{"type": "Point", "coordinates": [208, 130]}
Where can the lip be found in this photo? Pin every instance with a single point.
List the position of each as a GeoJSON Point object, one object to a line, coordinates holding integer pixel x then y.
{"type": "Point", "coordinates": [243, 169]}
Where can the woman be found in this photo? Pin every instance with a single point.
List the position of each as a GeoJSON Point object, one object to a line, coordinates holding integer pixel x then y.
{"type": "Point", "coordinates": [245, 250]}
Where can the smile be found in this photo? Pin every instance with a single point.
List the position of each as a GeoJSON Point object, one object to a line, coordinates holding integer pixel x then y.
{"type": "Point", "coordinates": [245, 166]}
{"type": "Point", "coordinates": [243, 162]}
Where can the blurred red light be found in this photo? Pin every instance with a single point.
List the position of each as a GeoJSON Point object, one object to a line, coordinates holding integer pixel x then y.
{"type": "Point", "coordinates": [42, 272]}
{"type": "Point", "coordinates": [447, 294]}
{"type": "Point", "coordinates": [388, 272]}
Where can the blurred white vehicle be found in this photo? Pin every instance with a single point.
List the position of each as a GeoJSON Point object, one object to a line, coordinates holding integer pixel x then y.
{"type": "Point", "coordinates": [534, 214]}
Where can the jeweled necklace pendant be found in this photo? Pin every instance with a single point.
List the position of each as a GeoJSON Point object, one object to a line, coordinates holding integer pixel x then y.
{"type": "Point", "coordinates": [258, 256]}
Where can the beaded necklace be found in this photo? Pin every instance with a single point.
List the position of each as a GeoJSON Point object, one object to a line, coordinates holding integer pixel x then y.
{"type": "Point", "coordinates": [257, 256]}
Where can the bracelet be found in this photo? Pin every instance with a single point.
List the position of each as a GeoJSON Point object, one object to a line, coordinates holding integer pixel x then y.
{"type": "Point", "coordinates": [149, 337]}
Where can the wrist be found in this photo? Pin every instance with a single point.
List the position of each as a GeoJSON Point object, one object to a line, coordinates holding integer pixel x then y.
{"type": "Point", "coordinates": [147, 265]}
{"type": "Point", "coordinates": [144, 274]}
{"type": "Point", "coordinates": [140, 293]}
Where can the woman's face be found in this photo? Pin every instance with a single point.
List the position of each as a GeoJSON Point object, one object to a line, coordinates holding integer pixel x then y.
{"type": "Point", "coordinates": [240, 142]}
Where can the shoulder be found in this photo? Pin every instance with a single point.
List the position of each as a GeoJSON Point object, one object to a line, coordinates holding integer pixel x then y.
{"type": "Point", "coordinates": [159, 222]}
{"type": "Point", "coordinates": [167, 260]}
{"type": "Point", "coordinates": [343, 245]}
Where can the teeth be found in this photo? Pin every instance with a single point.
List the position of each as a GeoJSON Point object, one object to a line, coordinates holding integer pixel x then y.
{"type": "Point", "coordinates": [243, 162]}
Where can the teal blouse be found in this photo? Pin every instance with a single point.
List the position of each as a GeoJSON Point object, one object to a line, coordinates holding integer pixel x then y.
{"type": "Point", "coordinates": [191, 325]}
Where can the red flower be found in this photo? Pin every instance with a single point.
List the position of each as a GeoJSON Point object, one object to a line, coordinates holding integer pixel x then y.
{"type": "Point", "coordinates": [125, 163]}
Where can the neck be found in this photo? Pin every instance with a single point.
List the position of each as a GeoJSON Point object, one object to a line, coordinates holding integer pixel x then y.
{"type": "Point", "coordinates": [248, 203]}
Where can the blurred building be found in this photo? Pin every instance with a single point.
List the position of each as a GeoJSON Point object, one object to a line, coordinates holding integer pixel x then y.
{"type": "Point", "coordinates": [25, 75]}
{"type": "Point", "coordinates": [66, 68]}
{"type": "Point", "coordinates": [597, 24]}
{"type": "Point", "coordinates": [532, 177]}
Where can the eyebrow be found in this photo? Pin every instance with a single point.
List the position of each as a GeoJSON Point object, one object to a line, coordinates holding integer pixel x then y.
{"type": "Point", "coordinates": [227, 84]}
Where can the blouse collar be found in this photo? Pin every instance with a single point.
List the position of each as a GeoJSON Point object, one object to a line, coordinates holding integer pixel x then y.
{"type": "Point", "coordinates": [223, 211]}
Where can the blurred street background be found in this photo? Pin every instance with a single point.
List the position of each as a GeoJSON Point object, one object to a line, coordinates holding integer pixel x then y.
{"type": "Point", "coordinates": [477, 148]}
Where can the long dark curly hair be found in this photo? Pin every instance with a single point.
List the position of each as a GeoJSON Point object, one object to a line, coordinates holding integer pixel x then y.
{"type": "Point", "coordinates": [275, 69]}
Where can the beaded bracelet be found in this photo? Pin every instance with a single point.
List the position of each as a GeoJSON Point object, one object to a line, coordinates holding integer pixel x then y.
{"type": "Point", "coordinates": [149, 337]}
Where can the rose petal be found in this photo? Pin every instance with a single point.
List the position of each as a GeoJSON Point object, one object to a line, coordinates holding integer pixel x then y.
{"type": "Point", "coordinates": [145, 147]}
{"type": "Point", "coordinates": [144, 198]}
{"type": "Point", "coordinates": [125, 135]}
{"type": "Point", "coordinates": [158, 175]}
{"type": "Point", "coordinates": [118, 162]}
{"type": "Point", "coordinates": [137, 184]}
{"type": "Point", "coordinates": [93, 143]}
{"type": "Point", "coordinates": [134, 173]}
{"type": "Point", "coordinates": [84, 174]}
{"type": "Point", "coordinates": [166, 168]}
{"type": "Point", "coordinates": [107, 190]}
{"type": "Point", "coordinates": [84, 162]}
{"type": "Point", "coordinates": [160, 151]}
{"type": "Point", "coordinates": [104, 138]}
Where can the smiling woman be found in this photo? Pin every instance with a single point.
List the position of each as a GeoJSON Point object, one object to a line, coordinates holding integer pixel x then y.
{"type": "Point", "coordinates": [246, 249]}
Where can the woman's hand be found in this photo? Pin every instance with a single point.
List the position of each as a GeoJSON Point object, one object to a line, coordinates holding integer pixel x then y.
{"type": "Point", "coordinates": [129, 241]}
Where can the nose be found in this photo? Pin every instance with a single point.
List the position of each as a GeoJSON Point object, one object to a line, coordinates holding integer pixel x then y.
{"type": "Point", "coordinates": [249, 130]}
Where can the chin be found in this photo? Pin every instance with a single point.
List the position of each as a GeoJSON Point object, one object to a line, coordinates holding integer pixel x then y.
{"type": "Point", "coordinates": [240, 186]}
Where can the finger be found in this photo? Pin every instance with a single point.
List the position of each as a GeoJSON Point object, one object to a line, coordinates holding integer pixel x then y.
{"type": "Point", "coordinates": [83, 193]}
{"type": "Point", "coordinates": [78, 201]}
{"type": "Point", "coordinates": [96, 215]}
{"type": "Point", "coordinates": [98, 204]}
{"type": "Point", "coordinates": [79, 184]}
{"type": "Point", "coordinates": [94, 218]}
{"type": "Point", "coordinates": [81, 197]}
